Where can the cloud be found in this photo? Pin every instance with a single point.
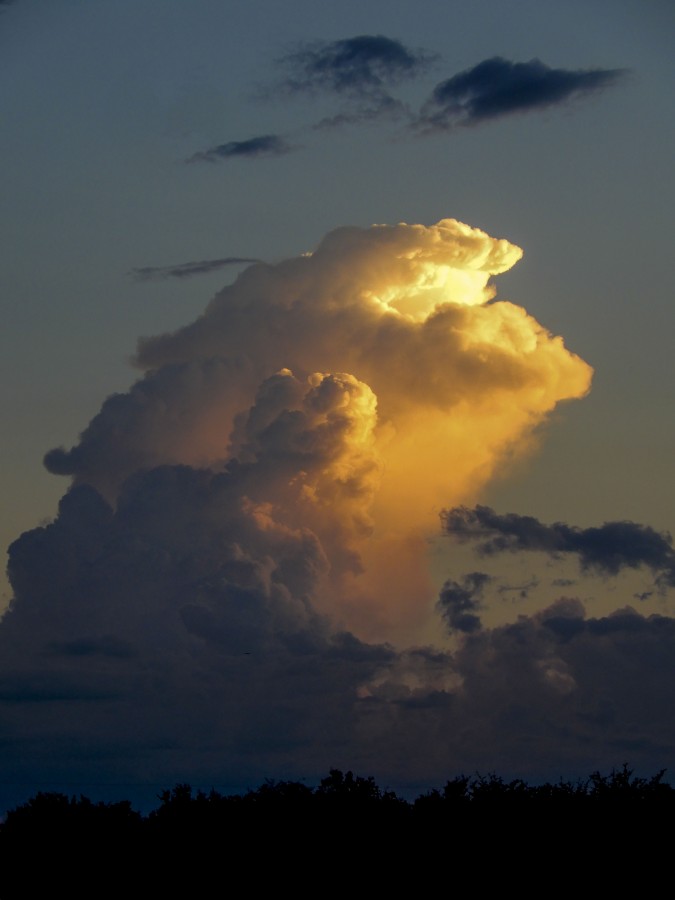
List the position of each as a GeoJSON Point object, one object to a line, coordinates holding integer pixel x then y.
{"type": "Point", "coordinates": [219, 665]}
{"type": "Point", "coordinates": [459, 602]}
{"type": "Point", "coordinates": [481, 374]}
{"type": "Point", "coordinates": [607, 549]}
{"type": "Point", "coordinates": [593, 685]}
{"type": "Point", "coordinates": [188, 269]}
{"type": "Point", "coordinates": [360, 70]}
{"type": "Point", "coordinates": [358, 66]}
{"type": "Point", "coordinates": [237, 578]}
{"type": "Point", "coordinates": [497, 87]}
{"type": "Point", "coordinates": [523, 590]}
{"type": "Point", "coordinates": [262, 146]}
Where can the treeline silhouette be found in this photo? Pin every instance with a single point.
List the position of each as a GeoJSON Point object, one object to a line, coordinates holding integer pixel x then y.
{"type": "Point", "coordinates": [182, 809]}
{"type": "Point", "coordinates": [342, 818]}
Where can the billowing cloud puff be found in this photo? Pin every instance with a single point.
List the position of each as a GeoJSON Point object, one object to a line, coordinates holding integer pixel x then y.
{"type": "Point", "coordinates": [237, 578]}
{"type": "Point", "coordinates": [403, 308]}
{"type": "Point", "coordinates": [456, 378]}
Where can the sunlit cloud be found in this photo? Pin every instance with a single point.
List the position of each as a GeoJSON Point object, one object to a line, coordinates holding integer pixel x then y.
{"type": "Point", "coordinates": [498, 87]}
{"type": "Point", "coordinates": [238, 575]}
{"type": "Point", "coordinates": [452, 380]}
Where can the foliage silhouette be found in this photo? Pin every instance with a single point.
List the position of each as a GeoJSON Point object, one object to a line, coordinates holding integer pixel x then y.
{"type": "Point", "coordinates": [191, 835]}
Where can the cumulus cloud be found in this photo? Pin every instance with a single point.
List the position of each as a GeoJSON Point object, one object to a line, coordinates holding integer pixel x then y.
{"type": "Point", "coordinates": [498, 87]}
{"type": "Point", "coordinates": [237, 578]}
{"type": "Point", "coordinates": [607, 548]}
{"type": "Point", "coordinates": [188, 269]}
{"type": "Point", "coordinates": [593, 685]}
{"type": "Point", "coordinates": [264, 145]}
{"type": "Point", "coordinates": [457, 378]}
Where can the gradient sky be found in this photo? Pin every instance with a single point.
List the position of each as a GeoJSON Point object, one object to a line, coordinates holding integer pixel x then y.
{"type": "Point", "coordinates": [154, 151]}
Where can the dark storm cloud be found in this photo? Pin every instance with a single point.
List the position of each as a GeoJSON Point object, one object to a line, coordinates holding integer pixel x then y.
{"type": "Point", "coordinates": [254, 148]}
{"type": "Point", "coordinates": [594, 685]}
{"type": "Point", "coordinates": [104, 645]}
{"type": "Point", "coordinates": [49, 687]}
{"type": "Point", "coordinates": [360, 65]}
{"type": "Point", "coordinates": [188, 269]}
{"type": "Point", "coordinates": [497, 87]}
{"type": "Point", "coordinates": [176, 632]}
{"type": "Point", "coordinates": [458, 603]}
{"type": "Point", "coordinates": [177, 624]}
{"type": "Point", "coordinates": [607, 549]}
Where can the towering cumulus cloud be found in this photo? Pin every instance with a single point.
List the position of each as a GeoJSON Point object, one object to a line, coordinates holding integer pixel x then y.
{"type": "Point", "coordinates": [396, 330]}
{"type": "Point", "coordinates": [237, 579]}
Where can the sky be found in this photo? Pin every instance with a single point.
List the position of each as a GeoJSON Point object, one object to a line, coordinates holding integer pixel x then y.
{"type": "Point", "coordinates": [337, 395]}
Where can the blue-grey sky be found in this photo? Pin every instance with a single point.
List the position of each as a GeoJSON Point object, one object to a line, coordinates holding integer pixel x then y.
{"type": "Point", "coordinates": [153, 151]}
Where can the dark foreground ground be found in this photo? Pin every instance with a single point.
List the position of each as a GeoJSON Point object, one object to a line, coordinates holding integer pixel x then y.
{"type": "Point", "coordinates": [612, 832]}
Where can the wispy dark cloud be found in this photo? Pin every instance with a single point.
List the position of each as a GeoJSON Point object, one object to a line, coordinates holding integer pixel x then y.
{"type": "Point", "coordinates": [262, 146]}
{"type": "Point", "coordinates": [522, 590]}
{"type": "Point", "coordinates": [188, 269]}
{"type": "Point", "coordinates": [360, 73]}
{"type": "Point", "coordinates": [458, 603]}
{"type": "Point", "coordinates": [377, 107]}
{"type": "Point", "coordinates": [607, 549]}
{"type": "Point", "coordinates": [497, 87]}
{"type": "Point", "coordinates": [360, 70]}
{"type": "Point", "coordinates": [360, 65]}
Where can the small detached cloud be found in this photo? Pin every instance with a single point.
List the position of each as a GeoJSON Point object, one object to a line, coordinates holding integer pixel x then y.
{"type": "Point", "coordinates": [360, 73]}
{"type": "Point", "coordinates": [520, 590]}
{"type": "Point", "coordinates": [358, 65]}
{"type": "Point", "coordinates": [188, 269]}
{"type": "Point", "coordinates": [458, 603]}
{"type": "Point", "coordinates": [254, 148]}
{"type": "Point", "coordinates": [497, 87]}
{"type": "Point", "coordinates": [607, 549]}
{"type": "Point", "coordinates": [359, 69]}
